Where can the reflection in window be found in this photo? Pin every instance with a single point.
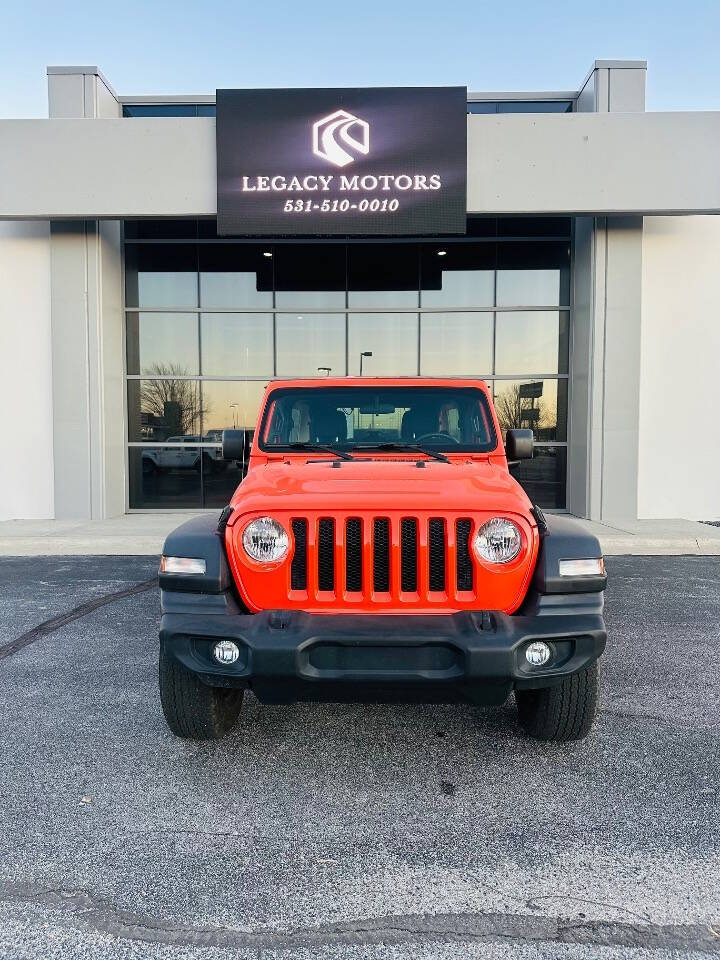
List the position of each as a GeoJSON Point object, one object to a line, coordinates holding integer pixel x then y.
{"type": "Point", "coordinates": [537, 405]}
{"type": "Point", "coordinates": [534, 341]}
{"type": "Point", "coordinates": [235, 275]}
{"type": "Point", "coordinates": [528, 288]}
{"type": "Point", "coordinates": [166, 288]}
{"type": "Point", "coordinates": [458, 275]}
{"type": "Point", "coordinates": [158, 342]}
{"type": "Point", "coordinates": [310, 276]}
{"type": "Point", "coordinates": [543, 477]}
{"type": "Point", "coordinates": [165, 409]}
{"type": "Point", "coordinates": [383, 275]}
{"type": "Point", "coordinates": [456, 344]}
{"type": "Point", "coordinates": [161, 275]}
{"type": "Point", "coordinates": [308, 342]}
{"type": "Point", "coordinates": [236, 290]}
{"type": "Point", "coordinates": [221, 279]}
{"type": "Point", "coordinates": [164, 477]}
{"type": "Point", "coordinates": [230, 405]}
{"type": "Point", "coordinates": [391, 338]}
{"type": "Point", "coordinates": [236, 344]}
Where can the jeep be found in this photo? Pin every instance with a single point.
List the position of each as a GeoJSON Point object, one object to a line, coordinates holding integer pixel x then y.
{"type": "Point", "coordinates": [379, 549]}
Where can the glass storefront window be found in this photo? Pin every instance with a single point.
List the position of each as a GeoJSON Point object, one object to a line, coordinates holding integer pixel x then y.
{"type": "Point", "coordinates": [310, 276]}
{"type": "Point", "coordinates": [392, 338]}
{"type": "Point", "coordinates": [229, 405]}
{"type": "Point", "coordinates": [167, 289]}
{"type": "Point", "coordinates": [162, 343]}
{"type": "Point", "coordinates": [528, 288]}
{"type": "Point", "coordinates": [456, 344]}
{"type": "Point", "coordinates": [308, 342]}
{"type": "Point", "coordinates": [383, 275]}
{"type": "Point", "coordinates": [535, 340]}
{"type": "Point", "coordinates": [460, 275]}
{"type": "Point", "coordinates": [543, 477]}
{"type": "Point", "coordinates": [160, 275]}
{"type": "Point", "coordinates": [165, 478]}
{"type": "Point", "coordinates": [235, 276]}
{"type": "Point", "coordinates": [225, 289]}
{"type": "Point", "coordinates": [167, 409]}
{"type": "Point", "coordinates": [532, 274]}
{"type": "Point", "coordinates": [201, 308]}
{"type": "Point", "coordinates": [236, 344]}
{"type": "Point", "coordinates": [537, 405]}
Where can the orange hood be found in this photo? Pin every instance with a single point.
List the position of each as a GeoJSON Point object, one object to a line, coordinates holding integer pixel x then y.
{"type": "Point", "coordinates": [381, 484]}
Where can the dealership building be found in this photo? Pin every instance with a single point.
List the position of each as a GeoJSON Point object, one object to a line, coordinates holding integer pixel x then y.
{"type": "Point", "coordinates": [163, 258]}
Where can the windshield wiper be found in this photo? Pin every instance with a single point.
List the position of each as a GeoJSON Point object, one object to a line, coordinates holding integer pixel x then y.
{"type": "Point", "coordinates": [409, 447]}
{"type": "Point", "coordinates": [320, 448]}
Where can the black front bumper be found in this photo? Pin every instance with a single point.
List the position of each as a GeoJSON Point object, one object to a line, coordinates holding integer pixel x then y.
{"type": "Point", "coordinates": [477, 656]}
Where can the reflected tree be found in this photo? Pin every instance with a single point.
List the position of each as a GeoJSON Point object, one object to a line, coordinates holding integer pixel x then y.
{"type": "Point", "coordinates": [174, 403]}
{"type": "Point", "coordinates": [512, 410]}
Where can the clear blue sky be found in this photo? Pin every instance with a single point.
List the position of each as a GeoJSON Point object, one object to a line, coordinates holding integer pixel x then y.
{"type": "Point", "coordinates": [157, 46]}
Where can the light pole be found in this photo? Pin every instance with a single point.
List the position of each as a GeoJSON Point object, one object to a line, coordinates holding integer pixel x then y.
{"type": "Point", "coordinates": [365, 353]}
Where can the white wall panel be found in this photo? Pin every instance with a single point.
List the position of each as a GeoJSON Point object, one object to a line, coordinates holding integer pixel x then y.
{"type": "Point", "coordinates": [525, 164]}
{"type": "Point", "coordinates": [679, 469]}
{"type": "Point", "coordinates": [26, 463]}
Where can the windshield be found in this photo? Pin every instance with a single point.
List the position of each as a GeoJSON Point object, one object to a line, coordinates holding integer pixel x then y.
{"type": "Point", "coordinates": [449, 419]}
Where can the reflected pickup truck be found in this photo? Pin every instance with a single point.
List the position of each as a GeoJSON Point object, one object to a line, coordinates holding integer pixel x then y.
{"type": "Point", "coordinates": [379, 549]}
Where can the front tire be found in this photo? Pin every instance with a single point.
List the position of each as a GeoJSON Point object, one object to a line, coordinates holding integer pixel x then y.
{"type": "Point", "coordinates": [193, 710]}
{"type": "Point", "coordinates": [561, 713]}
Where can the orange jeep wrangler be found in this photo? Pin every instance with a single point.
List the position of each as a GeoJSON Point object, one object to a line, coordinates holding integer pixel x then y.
{"type": "Point", "coordinates": [379, 549]}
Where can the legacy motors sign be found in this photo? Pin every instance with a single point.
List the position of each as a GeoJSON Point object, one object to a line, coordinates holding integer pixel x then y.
{"type": "Point", "coordinates": [384, 160]}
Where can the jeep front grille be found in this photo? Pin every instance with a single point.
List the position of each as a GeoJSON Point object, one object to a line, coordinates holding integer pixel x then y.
{"type": "Point", "coordinates": [411, 560]}
{"type": "Point", "coordinates": [298, 568]}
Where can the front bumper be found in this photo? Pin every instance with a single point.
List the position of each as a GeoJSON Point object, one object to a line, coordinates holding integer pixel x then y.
{"type": "Point", "coordinates": [477, 656]}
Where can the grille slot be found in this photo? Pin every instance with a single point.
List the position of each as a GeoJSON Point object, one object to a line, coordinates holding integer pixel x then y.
{"type": "Point", "coordinates": [464, 567]}
{"type": "Point", "coordinates": [408, 554]}
{"type": "Point", "coordinates": [381, 555]}
{"type": "Point", "coordinates": [436, 539]}
{"type": "Point", "coordinates": [326, 554]}
{"type": "Point", "coordinates": [298, 567]}
{"type": "Point", "coordinates": [353, 555]}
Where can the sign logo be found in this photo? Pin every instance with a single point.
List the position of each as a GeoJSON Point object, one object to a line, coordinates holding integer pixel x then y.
{"type": "Point", "coordinates": [332, 135]}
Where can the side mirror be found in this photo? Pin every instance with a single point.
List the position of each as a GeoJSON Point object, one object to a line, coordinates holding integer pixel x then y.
{"type": "Point", "coordinates": [233, 445]}
{"type": "Point", "coordinates": [519, 445]}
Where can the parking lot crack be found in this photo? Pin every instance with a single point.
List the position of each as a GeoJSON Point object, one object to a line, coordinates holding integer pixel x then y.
{"type": "Point", "coordinates": [100, 916]}
{"type": "Point", "coordinates": [54, 623]}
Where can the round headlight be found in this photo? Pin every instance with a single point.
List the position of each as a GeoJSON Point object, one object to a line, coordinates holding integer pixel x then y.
{"type": "Point", "coordinates": [265, 540]}
{"type": "Point", "coordinates": [498, 540]}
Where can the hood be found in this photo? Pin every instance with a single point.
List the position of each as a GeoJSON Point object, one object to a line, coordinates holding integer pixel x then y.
{"type": "Point", "coordinates": [381, 484]}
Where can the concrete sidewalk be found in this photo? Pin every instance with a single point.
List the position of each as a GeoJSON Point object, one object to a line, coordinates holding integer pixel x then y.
{"type": "Point", "coordinates": [143, 534]}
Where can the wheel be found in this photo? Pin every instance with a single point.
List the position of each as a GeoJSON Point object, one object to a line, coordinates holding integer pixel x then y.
{"type": "Point", "coordinates": [564, 712]}
{"type": "Point", "coordinates": [192, 709]}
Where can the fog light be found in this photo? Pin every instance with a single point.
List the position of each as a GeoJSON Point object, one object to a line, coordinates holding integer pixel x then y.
{"type": "Point", "coordinates": [225, 651]}
{"type": "Point", "coordinates": [537, 654]}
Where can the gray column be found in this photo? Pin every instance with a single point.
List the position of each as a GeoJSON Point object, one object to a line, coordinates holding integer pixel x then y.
{"type": "Point", "coordinates": [605, 360]}
{"type": "Point", "coordinates": [87, 332]}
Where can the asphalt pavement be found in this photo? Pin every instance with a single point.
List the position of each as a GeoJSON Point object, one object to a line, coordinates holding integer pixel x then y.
{"type": "Point", "coordinates": [352, 831]}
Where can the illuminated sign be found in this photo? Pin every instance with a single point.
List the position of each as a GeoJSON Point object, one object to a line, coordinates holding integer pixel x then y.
{"type": "Point", "coordinates": [337, 126]}
{"type": "Point", "coordinates": [375, 161]}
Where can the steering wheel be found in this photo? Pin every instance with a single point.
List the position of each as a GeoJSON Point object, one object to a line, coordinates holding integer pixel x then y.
{"type": "Point", "coordinates": [436, 436]}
